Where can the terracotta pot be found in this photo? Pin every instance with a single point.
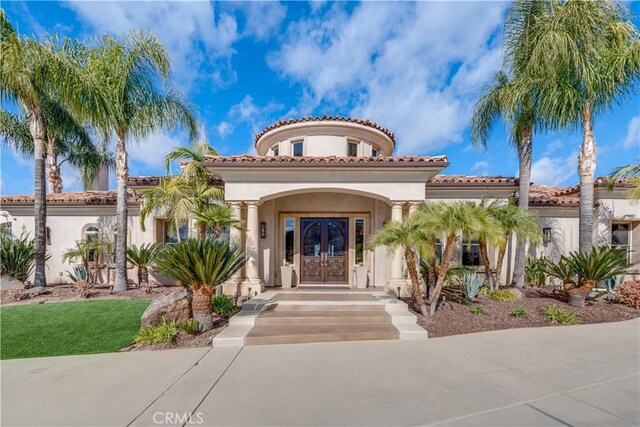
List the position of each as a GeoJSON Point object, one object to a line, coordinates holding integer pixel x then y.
{"type": "Point", "coordinates": [578, 294]}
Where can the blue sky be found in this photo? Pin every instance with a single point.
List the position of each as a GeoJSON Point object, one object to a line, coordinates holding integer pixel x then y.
{"type": "Point", "coordinates": [416, 68]}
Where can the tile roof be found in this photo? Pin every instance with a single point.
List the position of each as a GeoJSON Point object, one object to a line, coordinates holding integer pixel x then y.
{"type": "Point", "coordinates": [472, 180]}
{"type": "Point", "coordinates": [149, 181]}
{"type": "Point", "coordinates": [542, 195]}
{"type": "Point", "coordinates": [222, 161]}
{"type": "Point", "coordinates": [325, 118]}
{"type": "Point", "coordinates": [85, 198]}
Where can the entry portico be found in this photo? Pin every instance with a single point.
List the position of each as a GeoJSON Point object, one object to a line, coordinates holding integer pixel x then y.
{"type": "Point", "coordinates": [315, 211]}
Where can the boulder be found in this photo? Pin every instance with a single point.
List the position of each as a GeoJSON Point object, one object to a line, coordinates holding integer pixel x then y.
{"type": "Point", "coordinates": [175, 306]}
{"type": "Point", "coordinates": [38, 290]}
{"type": "Point", "coordinates": [516, 292]}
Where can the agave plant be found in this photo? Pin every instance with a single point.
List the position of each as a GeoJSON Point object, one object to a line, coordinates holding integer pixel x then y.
{"type": "Point", "coordinates": [201, 264]}
{"type": "Point", "coordinates": [143, 257]}
{"type": "Point", "coordinates": [471, 284]}
{"type": "Point", "coordinates": [600, 264]}
{"type": "Point", "coordinates": [17, 256]}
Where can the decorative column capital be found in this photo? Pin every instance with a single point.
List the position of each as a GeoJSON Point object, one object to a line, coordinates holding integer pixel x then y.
{"type": "Point", "coordinates": [253, 203]}
{"type": "Point", "coordinates": [395, 204]}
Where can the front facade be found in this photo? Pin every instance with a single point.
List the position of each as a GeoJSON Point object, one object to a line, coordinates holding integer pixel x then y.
{"type": "Point", "coordinates": [311, 197]}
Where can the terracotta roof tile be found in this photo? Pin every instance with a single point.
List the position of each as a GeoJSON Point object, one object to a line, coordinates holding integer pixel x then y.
{"type": "Point", "coordinates": [472, 179]}
{"type": "Point", "coordinates": [325, 118]}
{"type": "Point", "coordinates": [88, 198]}
{"type": "Point", "coordinates": [542, 195]}
{"type": "Point", "coordinates": [149, 181]}
{"type": "Point", "coordinates": [323, 161]}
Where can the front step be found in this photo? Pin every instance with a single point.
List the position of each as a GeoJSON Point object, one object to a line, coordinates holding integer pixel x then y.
{"type": "Point", "coordinates": [299, 334]}
{"type": "Point", "coordinates": [287, 316]}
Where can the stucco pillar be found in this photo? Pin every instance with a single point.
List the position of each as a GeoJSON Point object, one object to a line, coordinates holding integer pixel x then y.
{"type": "Point", "coordinates": [396, 260]}
{"type": "Point", "coordinates": [230, 287]}
{"type": "Point", "coordinates": [252, 249]}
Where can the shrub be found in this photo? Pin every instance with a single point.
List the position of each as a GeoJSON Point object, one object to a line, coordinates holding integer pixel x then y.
{"type": "Point", "coordinates": [224, 306]}
{"type": "Point", "coordinates": [17, 256]}
{"type": "Point", "coordinates": [534, 272]}
{"type": "Point", "coordinates": [18, 294]}
{"type": "Point", "coordinates": [164, 333]}
{"type": "Point", "coordinates": [629, 293]}
{"type": "Point", "coordinates": [559, 315]}
{"type": "Point", "coordinates": [503, 295]}
{"type": "Point", "coordinates": [80, 273]}
{"type": "Point", "coordinates": [82, 288]}
{"type": "Point", "coordinates": [612, 283]}
{"type": "Point", "coordinates": [519, 311]}
{"type": "Point", "coordinates": [478, 309]}
{"type": "Point", "coordinates": [190, 326]}
{"type": "Point", "coordinates": [484, 290]}
{"type": "Point", "coordinates": [471, 284]}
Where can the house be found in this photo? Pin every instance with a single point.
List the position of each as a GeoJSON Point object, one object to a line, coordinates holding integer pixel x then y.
{"type": "Point", "coordinates": [316, 190]}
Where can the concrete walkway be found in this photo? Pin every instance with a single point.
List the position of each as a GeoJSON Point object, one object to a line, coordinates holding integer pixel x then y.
{"type": "Point", "coordinates": [579, 375]}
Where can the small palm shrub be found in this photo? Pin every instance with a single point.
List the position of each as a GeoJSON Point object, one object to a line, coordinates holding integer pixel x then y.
{"type": "Point", "coordinates": [629, 293]}
{"type": "Point", "coordinates": [471, 284]}
{"type": "Point", "coordinates": [519, 311]}
{"type": "Point", "coordinates": [534, 272]}
{"type": "Point", "coordinates": [503, 295]}
{"type": "Point", "coordinates": [17, 256]}
{"type": "Point", "coordinates": [612, 283]}
{"type": "Point", "coordinates": [224, 306]}
{"type": "Point", "coordinates": [201, 264]}
{"type": "Point", "coordinates": [143, 257]}
{"type": "Point", "coordinates": [559, 315]}
{"type": "Point", "coordinates": [478, 309]}
{"type": "Point", "coordinates": [82, 288]}
{"type": "Point", "coordinates": [190, 326]}
{"type": "Point", "coordinates": [164, 333]}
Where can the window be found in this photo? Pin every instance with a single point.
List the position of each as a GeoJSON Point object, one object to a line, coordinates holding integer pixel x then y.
{"type": "Point", "coordinates": [170, 235]}
{"type": "Point", "coordinates": [289, 239]}
{"type": "Point", "coordinates": [297, 149]}
{"type": "Point", "coordinates": [48, 236]}
{"type": "Point", "coordinates": [470, 252]}
{"type": "Point", "coordinates": [91, 235]}
{"type": "Point", "coordinates": [374, 152]}
{"type": "Point", "coordinates": [275, 150]}
{"type": "Point", "coordinates": [620, 237]}
{"type": "Point", "coordinates": [360, 241]}
{"type": "Point", "coordinates": [352, 149]}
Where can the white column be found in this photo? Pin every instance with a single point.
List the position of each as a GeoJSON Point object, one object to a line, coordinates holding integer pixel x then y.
{"type": "Point", "coordinates": [252, 242]}
{"type": "Point", "coordinates": [396, 261]}
{"type": "Point", "coordinates": [230, 287]}
{"type": "Point", "coordinates": [413, 207]}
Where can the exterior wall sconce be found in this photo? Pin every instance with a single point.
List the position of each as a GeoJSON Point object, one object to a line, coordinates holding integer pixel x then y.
{"type": "Point", "coordinates": [263, 230]}
{"type": "Point", "coordinates": [546, 235]}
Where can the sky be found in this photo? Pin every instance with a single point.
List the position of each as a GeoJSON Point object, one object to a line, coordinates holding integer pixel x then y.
{"type": "Point", "coordinates": [415, 68]}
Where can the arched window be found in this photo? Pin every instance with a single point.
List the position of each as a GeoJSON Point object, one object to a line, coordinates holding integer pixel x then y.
{"type": "Point", "coordinates": [91, 234]}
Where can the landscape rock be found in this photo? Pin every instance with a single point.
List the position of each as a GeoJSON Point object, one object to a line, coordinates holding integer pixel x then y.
{"type": "Point", "coordinates": [175, 306]}
{"type": "Point", "coordinates": [38, 290]}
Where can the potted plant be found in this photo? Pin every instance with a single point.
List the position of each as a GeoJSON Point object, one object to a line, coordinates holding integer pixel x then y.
{"type": "Point", "coordinates": [286, 275]}
{"type": "Point", "coordinates": [143, 257]}
{"type": "Point", "coordinates": [201, 264]}
{"type": "Point", "coordinates": [361, 276]}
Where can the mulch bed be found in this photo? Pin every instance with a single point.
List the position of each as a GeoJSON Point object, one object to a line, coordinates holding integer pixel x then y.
{"type": "Point", "coordinates": [61, 293]}
{"type": "Point", "coordinates": [453, 318]}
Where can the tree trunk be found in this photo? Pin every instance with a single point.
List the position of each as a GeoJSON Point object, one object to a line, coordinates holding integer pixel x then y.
{"type": "Point", "coordinates": [524, 157]}
{"type": "Point", "coordinates": [501, 253]}
{"type": "Point", "coordinates": [202, 307]}
{"type": "Point", "coordinates": [415, 281]}
{"type": "Point", "coordinates": [38, 133]}
{"type": "Point", "coordinates": [447, 256]}
{"type": "Point", "coordinates": [578, 294]}
{"type": "Point", "coordinates": [143, 275]}
{"type": "Point", "coordinates": [432, 273]}
{"type": "Point", "coordinates": [53, 170]}
{"type": "Point", "coordinates": [122, 173]}
{"type": "Point", "coordinates": [484, 252]}
{"type": "Point", "coordinates": [586, 172]}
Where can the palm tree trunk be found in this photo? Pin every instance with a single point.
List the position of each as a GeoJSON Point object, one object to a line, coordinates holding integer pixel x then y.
{"type": "Point", "coordinates": [484, 252]}
{"type": "Point", "coordinates": [447, 256]}
{"type": "Point", "coordinates": [202, 307]}
{"type": "Point", "coordinates": [432, 271]}
{"type": "Point", "coordinates": [122, 173]}
{"type": "Point", "coordinates": [53, 170]}
{"type": "Point", "coordinates": [415, 281]}
{"type": "Point", "coordinates": [37, 128]}
{"type": "Point", "coordinates": [586, 171]}
{"type": "Point", "coordinates": [524, 157]}
{"type": "Point", "coordinates": [501, 253]}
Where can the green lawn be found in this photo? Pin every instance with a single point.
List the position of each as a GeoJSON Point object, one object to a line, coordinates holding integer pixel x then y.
{"type": "Point", "coordinates": [57, 329]}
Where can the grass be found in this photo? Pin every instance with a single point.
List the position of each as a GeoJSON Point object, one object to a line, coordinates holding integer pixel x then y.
{"type": "Point", "coordinates": [57, 329]}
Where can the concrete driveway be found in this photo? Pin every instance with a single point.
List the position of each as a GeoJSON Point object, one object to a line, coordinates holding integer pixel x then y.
{"type": "Point", "coordinates": [579, 375]}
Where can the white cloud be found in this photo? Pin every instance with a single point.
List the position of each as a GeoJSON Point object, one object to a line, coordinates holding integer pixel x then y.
{"type": "Point", "coordinates": [152, 150]}
{"type": "Point", "coordinates": [263, 18]}
{"type": "Point", "coordinates": [255, 115]}
{"type": "Point", "coordinates": [481, 167]}
{"type": "Point", "coordinates": [394, 61]}
{"type": "Point", "coordinates": [554, 170]}
{"type": "Point", "coordinates": [224, 129]}
{"type": "Point", "coordinates": [552, 147]}
{"type": "Point", "coordinates": [632, 139]}
{"type": "Point", "coordinates": [193, 32]}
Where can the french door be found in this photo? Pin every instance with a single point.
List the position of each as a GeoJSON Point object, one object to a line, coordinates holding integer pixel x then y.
{"type": "Point", "coordinates": [324, 244]}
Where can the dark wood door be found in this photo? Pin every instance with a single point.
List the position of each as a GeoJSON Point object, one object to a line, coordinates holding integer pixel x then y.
{"type": "Point", "coordinates": [325, 248]}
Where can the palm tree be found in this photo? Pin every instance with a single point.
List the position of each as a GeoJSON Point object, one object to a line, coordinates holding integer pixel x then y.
{"type": "Point", "coordinates": [201, 264]}
{"type": "Point", "coordinates": [452, 220]}
{"type": "Point", "coordinates": [589, 52]}
{"type": "Point", "coordinates": [216, 217]}
{"type": "Point", "coordinates": [30, 74]}
{"type": "Point", "coordinates": [66, 138]}
{"type": "Point", "coordinates": [194, 156]}
{"type": "Point", "coordinates": [410, 235]}
{"type": "Point", "coordinates": [631, 173]}
{"type": "Point", "coordinates": [143, 257]}
{"type": "Point", "coordinates": [128, 68]}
